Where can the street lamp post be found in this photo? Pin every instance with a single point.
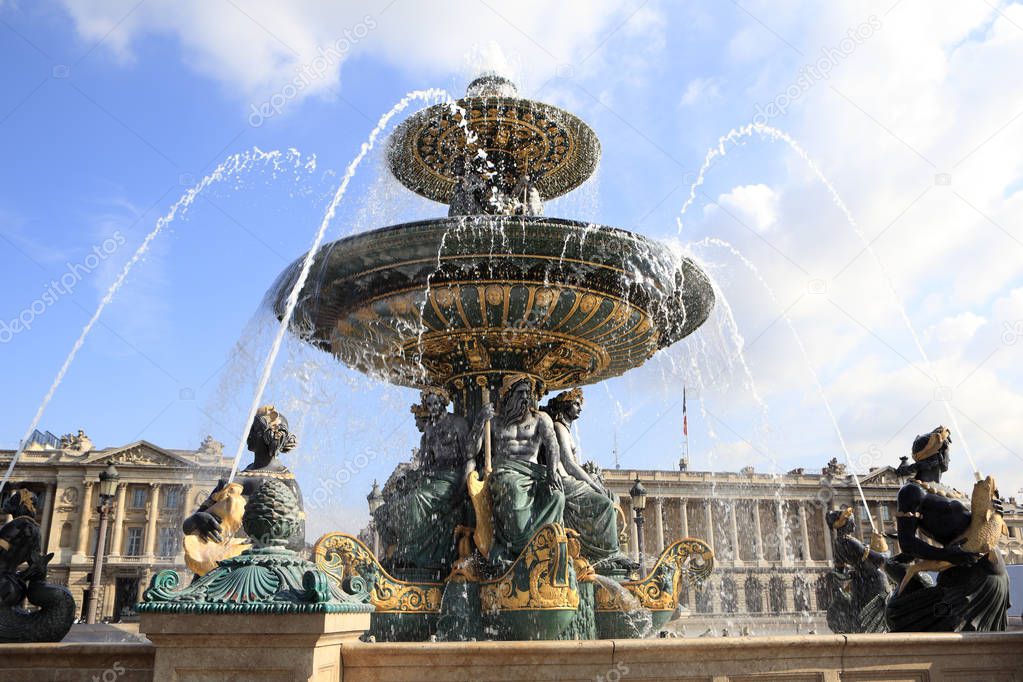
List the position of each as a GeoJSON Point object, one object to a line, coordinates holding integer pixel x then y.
{"type": "Point", "coordinates": [375, 499]}
{"type": "Point", "coordinates": [638, 495]}
{"type": "Point", "coordinates": [107, 490]}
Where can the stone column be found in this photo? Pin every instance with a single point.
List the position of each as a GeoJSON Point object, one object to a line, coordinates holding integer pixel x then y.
{"type": "Point", "coordinates": [708, 516]}
{"type": "Point", "coordinates": [735, 532]}
{"type": "Point", "coordinates": [779, 511]}
{"type": "Point", "coordinates": [758, 531]}
{"type": "Point", "coordinates": [829, 551]}
{"type": "Point", "coordinates": [115, 542]}
{"type": "Point", "coordinates": [879, 517]}
{"type": "Point", "coordinates": [804, 533]}
{"type": "Point", "coordinates": [151, 517]}
{"type": "Point", "coordinates": [186, 500]}
{"type": "Point", "coordinates": [658, 525]}
{"type": "Point", "coordinates": [683, 517]}
{"type": "Point", "coordinates": [83, 519]}
{"type": "Point", "coordinates": [630, 524]}
{"type": "Point", "coordinates": [46, 521]}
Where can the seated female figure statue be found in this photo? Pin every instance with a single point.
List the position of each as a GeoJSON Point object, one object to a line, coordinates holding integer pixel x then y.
{"type": "Point", "coordinates": [423, 505]}
{"type": "Point", "coordinates": [972, 595]}
{"type": "Point", "coordinates": [589, 506]}
{"type": "Point", "coordinates": [859, 586]}
{"type": "Point", "coordinates": [210, 531]}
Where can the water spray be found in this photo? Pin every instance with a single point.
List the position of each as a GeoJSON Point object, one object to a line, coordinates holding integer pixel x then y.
{"type": "Point", "coordinates": [231, 166]}
{"type": "Point", "coordinates": [736, 134]}
{"type": "Point", "coordinates": [806, 357]}
{"type": "Point", "coordinates": [430, 95]}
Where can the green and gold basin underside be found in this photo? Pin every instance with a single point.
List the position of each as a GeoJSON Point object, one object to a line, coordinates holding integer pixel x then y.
{"type": "Point", "coordinates": [443, 302]}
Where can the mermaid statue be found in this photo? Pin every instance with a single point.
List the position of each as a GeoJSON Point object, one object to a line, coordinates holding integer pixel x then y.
{"type": "Point", "coordinates": [210, 533]}
{"type": "Point", "coordinates": [859, 586]}
{"type": "Point", "coordinates": [23, 577]}
{"type": "Point", "coordinates": [972, 594]}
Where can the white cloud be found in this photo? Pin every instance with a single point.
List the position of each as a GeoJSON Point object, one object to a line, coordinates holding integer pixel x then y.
{"type": "Point", "coordinates": [755, 205]}
{"type": "Point", "coordinates": [256, 47]}
{"type": "Point", "coordinates": [700, 91]}
{"type": "Point", "coordinates": [955, 330]}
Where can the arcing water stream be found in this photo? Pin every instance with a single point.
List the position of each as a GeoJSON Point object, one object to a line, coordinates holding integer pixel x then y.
{"type": "Point", "coordinates": [806, 357]}
{"type": "Point", "coordinates": [736, 134]}
{"type": "Point", "coordinates": [430, 96]}
{"type": "Point", "coordinates": [231, 167]}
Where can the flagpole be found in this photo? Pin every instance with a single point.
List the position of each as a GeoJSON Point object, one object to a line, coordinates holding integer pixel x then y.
{"type": "Point", "coordinates": [685, 428]}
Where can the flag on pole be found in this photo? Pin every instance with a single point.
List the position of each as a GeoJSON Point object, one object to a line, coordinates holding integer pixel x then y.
{"type": "Point", "coordinates": [685, 416]}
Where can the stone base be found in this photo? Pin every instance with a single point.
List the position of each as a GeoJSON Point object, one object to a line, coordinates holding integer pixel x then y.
{"type": "Point", "coordinates": [292, 648]}
{"type": "Point", "coordinates": [822, 658]}
{"type": "Point", "coordinates": [269, 647]}
{"type": "Point", "coordinates": [77, 662]}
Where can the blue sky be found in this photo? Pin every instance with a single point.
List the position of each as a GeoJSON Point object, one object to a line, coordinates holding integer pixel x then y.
{"type": "Point", "coordinates": [110, 111]}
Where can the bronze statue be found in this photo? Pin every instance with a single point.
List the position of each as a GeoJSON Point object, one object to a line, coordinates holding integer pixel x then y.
{"type": "Point", "coordinates": [972, 594]}
{"type": "Point", "coordinates": [426, 503]}
{"type": "Point", "coordinates": [23, 576]}
{"type": "Point", "coordinates": [589, 506]}
{"type": "Point", "coordinates": [859, 586]}
{"type": "Point", "coordinates": [526, 493]}
{"type": "Point", "coordinates": [210, 531]}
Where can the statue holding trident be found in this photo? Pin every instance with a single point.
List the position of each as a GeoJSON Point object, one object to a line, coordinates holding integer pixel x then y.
{"type": "Point", "coordinates": [526, 493]}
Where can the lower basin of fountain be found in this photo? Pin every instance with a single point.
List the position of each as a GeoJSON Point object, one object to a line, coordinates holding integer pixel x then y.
{"type": "Point", "coordinates": [548, 593]}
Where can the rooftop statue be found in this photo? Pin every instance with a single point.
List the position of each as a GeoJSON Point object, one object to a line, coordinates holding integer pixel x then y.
{"type": "Point", "coordinates": [23, 577]}
{"type": "Point", "coordinates": [972, 591]}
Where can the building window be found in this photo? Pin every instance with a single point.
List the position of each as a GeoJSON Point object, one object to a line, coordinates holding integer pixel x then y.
{"type": "Point", "coordinates": [170, 541]}
{"type": "Point", "coordinates": [754, 596]}
{"type": "Point", "coordinates": [776, 594]}
{"type": "Point", "coordinates": [172, 498]}
{"type": "Point", "coordinates": [138, 497]}
{"type": "Point", "coordinates": [886, 514]}
{"type": "Point", "coordinates": [133, 541]}
{"type": "Point", "coordinates": [729, 595]}
{"type": "Point", "coordinates": [801, 595]}
{"type": "Point", "coordinates": [824, 592]}
{"type": "Point", "coordinates": [65, 535]}
{"type": "Point", "coordinates": [704, 600]}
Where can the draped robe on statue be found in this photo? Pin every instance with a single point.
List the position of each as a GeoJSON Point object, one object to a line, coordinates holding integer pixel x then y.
{"type": "Point", "coordinates": [419, 521]}
{"type": "Point", "coordinates": [593, 516]}
{"type": "Point", "coordinates": [523, 502]}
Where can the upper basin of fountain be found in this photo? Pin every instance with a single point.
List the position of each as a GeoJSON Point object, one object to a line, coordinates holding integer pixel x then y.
{"type": "Point", "coordinates": [517, 136]}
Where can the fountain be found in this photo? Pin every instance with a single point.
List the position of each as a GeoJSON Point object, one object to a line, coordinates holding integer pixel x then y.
{"type": "Point", "coordinates": [496, 300]}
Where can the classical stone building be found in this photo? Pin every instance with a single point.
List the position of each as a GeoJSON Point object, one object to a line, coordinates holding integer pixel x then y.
{"type": "Point", "coordinates": [771, 542]}
{"type": "Point", "coordinates": [157, 488]}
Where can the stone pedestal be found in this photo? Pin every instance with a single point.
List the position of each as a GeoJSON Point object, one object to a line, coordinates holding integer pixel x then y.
{"type": "Point", "coordinates": [267, 647]}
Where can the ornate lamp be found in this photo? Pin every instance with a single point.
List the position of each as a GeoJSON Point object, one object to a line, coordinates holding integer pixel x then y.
{"type": "Point", "coordinates": [638, 495]}
{"type": "Point", "coordinates": [108, 480]}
